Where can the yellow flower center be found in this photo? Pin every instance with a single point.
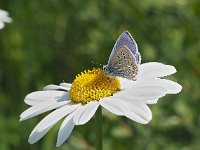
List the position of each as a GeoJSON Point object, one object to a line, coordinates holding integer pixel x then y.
{"type": "Point", "coordinates": [93, 85]}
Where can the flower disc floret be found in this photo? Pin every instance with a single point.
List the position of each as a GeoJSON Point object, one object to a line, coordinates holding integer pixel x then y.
{"type": "Point", "coordinates": [93, 85]}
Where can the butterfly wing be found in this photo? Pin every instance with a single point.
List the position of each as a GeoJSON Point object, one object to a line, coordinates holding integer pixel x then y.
{"type": "Point", "coordinates": [138, 58]}
{"type": "Point", "coordinates": [126, 39]}
{"type": "Point", "coordinates": [122, 63]}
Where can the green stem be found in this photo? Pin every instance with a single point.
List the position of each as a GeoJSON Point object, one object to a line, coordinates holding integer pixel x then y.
{"type": "Point", "coordinates": [98, 121]}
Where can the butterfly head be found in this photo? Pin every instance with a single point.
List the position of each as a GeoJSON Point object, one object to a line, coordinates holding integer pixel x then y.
{"type": "Point", "coordinates": [112, 71]}
{"type": "Point", "coordinates": [106, 69]}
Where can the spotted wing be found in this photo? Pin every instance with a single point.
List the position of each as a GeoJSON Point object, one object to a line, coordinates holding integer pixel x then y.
{"type": "Point", "coordinates": [126, 39]}
{"type": "Point", "coordinates": [123, 63]}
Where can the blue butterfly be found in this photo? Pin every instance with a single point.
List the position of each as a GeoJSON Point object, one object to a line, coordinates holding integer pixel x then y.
{"type": "Point", "coordinates": [124, 58]}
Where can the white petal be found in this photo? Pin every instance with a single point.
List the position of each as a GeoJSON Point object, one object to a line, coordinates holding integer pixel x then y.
{"type": "Point", "coordinates": [3, 13]}
{"type": "Point", "coordinates": [65, 130]}
{"type": "Point", "coordinates": [85, 113]}
{"type": "Point", "coordinates": [169, 86]}
{"type": "Point", "coordinates": [148, 90]}
{"type": "Point", "coordinates": [137, 111]}
{"type": "Point", "coordinates": [154, 101]}
{"type": "Point", "coordinates": [141, 93]}
{"type": "Point", "coordinates": [109, 104]}
{"type": "Point", "coordinates": [155, 69]}
{"type": "Point", "coordinates": [2, 25]}
{"type": "Point", "coordinates": [55, 87]}
{"type": "Point", "coordinates": [46, 96]}
{"type": "Point", "coordinates": [4, 16]}
{"type": "Point", "coordinates": [49, 121]}
{"type": "Point", "coordinates": [135, 99]}
{"type": "Point", "coordinates": [56, 115]}
{"type": "Point", "coordinates": [40, 108]}
{"type": "Point", "coordinates": [67, 85]}
{"type": "Point", "coordinates": [126, 83]}
{"type": "Point", "coordinates": [36, 136]}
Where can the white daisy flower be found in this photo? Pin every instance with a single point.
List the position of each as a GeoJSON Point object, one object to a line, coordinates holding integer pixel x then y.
{"type": "Point", "coordinates": [79, 101]}
{"type": "Point", "coordinates": [4, 18]}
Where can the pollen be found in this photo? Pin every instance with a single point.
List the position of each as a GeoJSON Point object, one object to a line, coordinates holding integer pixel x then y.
{"type": "Point", "coordinates": [92, 85]}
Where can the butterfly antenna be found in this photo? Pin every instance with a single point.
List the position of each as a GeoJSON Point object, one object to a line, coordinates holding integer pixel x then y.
{"type": "Point", "coordinates": [93, 62]}
{"type": "Point", "coordinates": [96, 63]}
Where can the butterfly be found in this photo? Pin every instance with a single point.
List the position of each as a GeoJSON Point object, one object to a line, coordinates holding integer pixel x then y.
{"type": "Point", "coordinates": [124, 58]}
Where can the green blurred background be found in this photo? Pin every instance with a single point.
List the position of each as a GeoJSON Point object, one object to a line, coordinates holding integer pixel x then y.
{"type": "Point", "coordinates": [50, 41]}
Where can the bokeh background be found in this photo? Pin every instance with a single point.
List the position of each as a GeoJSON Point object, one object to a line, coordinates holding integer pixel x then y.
{"type": "Point", "coordinates": [50, 41]}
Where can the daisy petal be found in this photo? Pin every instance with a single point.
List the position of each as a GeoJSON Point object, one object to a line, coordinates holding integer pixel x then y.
{"type": "Point", "coordinates": [126, 83]}
{"type": "Point", "coordinates": [137, 111]}
{"type": "Point", "coordinates": [141, 93]}
{"type": "Point", "coordinates": [154, 69]}
{"type": "Point", "coordinates": [67, 85]}
{"type": "Point", "coordinates": [55, 116]}
{"type": "Point", "coordinates": [154, 101]}
{"type": "Point", "coordinates": [85, 113]}
{"type": "Point", "coordinates": [49, 121]}
{"type": "Point", "coordinates": [135, 99]}
{"type": "Point", "coordinates": [65, 130]}
{"type": "Point", "coordinates": [55, 87]}
{"type": "Point", "coordinates": [4, 16]}
{"type": "Point", "coordinates": [170, 87]}
{"type": "Point", "coordinates": [40, 108]}
{"type": "Point", "coordinates": [46, 96]}
{"type": "Point", "coordinates": [110, 105]}
{"type": "Point", "coordinates": [36, 136]}
{"type": "Point", "coordinates": [2, 25]}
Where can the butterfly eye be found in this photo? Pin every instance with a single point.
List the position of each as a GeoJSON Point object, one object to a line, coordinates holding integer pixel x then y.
{"type": "Point", "coordinates": [104, 68]}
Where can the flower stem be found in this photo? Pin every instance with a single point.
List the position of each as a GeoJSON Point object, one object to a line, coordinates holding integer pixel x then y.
{"type": "Point", "coordinates": [98, 121]}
